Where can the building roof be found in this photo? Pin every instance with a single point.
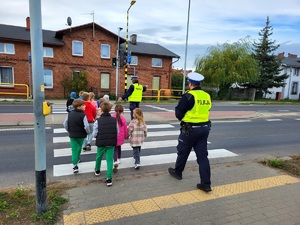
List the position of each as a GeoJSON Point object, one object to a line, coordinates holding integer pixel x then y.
{"type": "Point", "coordinates": [291, 62]}
{"type": "Point", "coordinates": [16, 33]}
{"type": "Point", "coordinates": [149, 49]}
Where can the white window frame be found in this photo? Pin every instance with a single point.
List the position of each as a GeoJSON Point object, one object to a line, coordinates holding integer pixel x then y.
{"type": "Point", "coordinates": [46, 86]}
{"type": "Point", "coordinates": [102, 51]}
{"type": "Point", "coordinates": [6, 47]}
{"type": "Point", "coordinates": [134, 60]}
{"type": "Point", "coordinates": [48, 52]}
{"type": "Point", "coordinates": [80, 48]}
{"type": "Point", "coordinates": [5, 83]}
{"type": "Point", "coordinates": [156, 62]}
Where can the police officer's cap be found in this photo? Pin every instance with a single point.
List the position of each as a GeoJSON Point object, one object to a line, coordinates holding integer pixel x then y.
{"type": "Point", "coordinates": [134, 77]}
{"type": "Point", "coordinates": [195, 78]}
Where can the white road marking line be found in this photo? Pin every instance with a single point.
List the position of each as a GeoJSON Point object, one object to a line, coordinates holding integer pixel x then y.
{"type": "Point", "coordinates": [63, 152]}
{"type": "Point", "coordinates": [149, 134]}
{"type": "Point", "coordinates": [155, 126]}
{"type": "Point", "coordinates": [163, 109]}
{"type": "Point", "coordinates": [231, 121]}
{"type": "Point", "coordinates": [273, 120]}
{"type": "Point", "coordinates": [18, 129]}
{"type": "Point", "coordinates": [88, 167]}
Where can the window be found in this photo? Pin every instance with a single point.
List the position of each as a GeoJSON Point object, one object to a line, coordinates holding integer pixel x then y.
{"type": "Point", "coordinates": [104, 81]}
{"type": "Point", "coordinates": [296, 72]}
{"type": "Point", "coordinates": [6, 75]}
{"type": "Point", "coordinates": [134, 60]}
{"type": "Point", "coordinates": [294, 88]}
{"type": "Point", "coordinates": [77, 48]}
{"type": "Point", "coordinates": [75, 73]}
{"type": "Point", "coordinates": [156, 83]}
{"type": "Point", "coordinates": [7, 48]}
{"type": "Point", "coordinates": [48, 52]}
{"type": "Point", "coordinates": [156, 62]}
{"type": "Point", "coordinates": [105, 51]}
{"type": "Point", "coordinates": [48, 78]}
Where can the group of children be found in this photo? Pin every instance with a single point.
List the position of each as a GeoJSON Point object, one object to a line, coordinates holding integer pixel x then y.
{"type": "Point", "coordinates": [110, 131]}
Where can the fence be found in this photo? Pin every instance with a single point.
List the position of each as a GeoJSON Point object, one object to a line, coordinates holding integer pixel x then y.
{"type": "Point", "coordinates": [14, 89]}
{"type": "Point", "coordinates": [159, 94]}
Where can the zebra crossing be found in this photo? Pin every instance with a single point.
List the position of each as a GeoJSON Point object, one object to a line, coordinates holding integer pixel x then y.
{"type": "Point", "coordinates": [160, 137]}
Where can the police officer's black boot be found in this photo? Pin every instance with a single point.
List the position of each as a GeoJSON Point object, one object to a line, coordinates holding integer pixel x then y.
{"type": "Point", "coordinates": [204, 187]}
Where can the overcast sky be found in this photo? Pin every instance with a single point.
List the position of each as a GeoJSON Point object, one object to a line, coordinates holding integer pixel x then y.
{"type": "Point", "coordinates": [165, 21]}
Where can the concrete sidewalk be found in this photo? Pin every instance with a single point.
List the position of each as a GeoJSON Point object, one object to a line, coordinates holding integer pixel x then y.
{"type": "Point", "coordinates": [243, 192]}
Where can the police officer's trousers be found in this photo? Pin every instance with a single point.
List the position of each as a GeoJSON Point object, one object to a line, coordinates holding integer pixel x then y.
{"type": "Point", "coordinates": [197, 139]}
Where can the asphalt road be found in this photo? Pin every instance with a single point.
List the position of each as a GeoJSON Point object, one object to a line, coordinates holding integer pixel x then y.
{"type": "Point", "coordinates": [250, 139]}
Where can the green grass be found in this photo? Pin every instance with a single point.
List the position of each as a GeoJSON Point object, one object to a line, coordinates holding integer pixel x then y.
{"type": "Point", "coordinates": [19, 207]}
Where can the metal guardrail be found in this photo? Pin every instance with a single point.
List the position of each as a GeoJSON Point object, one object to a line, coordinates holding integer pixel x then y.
{"type": "Point", "coordinates": [9, 85]}
{"type": "Point", "coordinates": [163, 93]}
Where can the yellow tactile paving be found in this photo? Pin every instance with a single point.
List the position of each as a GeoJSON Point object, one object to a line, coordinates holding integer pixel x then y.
{"type": "Point", "coordinates": [145, 206]}
{"type": "Point", "coordinates": [118, 211]}
{"type": "Point", "coordinates": [185, 198]}
{"type": "Point", "coordinates": [122, 210]}
{"type": "Point", "coordinates": [166, 202]}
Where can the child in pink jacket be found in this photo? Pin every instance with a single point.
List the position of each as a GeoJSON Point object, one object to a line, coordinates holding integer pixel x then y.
{"type": "Point", "coordinates": [122, 135]}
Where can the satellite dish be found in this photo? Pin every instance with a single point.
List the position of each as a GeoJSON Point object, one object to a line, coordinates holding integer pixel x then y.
{"type": "Point", "coordinates": [69, 21]}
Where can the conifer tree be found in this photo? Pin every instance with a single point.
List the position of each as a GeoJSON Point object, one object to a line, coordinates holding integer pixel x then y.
{"type": "Point", "coordinates": [269, 63]}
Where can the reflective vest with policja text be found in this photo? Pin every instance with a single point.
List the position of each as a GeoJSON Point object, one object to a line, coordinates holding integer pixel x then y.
{"type": "Point", "coordinates": [136, 95]}
{"type": "Point", "coordinates": [200, 111]}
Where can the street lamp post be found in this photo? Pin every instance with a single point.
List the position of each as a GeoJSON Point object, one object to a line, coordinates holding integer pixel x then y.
{"type": "Point", "coordinates": [117, 63]}
{"type": "Point", "coordinates": [186, 45]}
{"type": "Point", "coordinates": [126, 65]}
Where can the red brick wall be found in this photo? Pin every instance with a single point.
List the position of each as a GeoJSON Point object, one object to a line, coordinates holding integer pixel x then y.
{"type": "Point", "coordinates": [64, 63]}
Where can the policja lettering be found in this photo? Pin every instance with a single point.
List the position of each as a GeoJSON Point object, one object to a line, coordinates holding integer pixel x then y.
{"type": "Point", "coordinates": [203, 102]}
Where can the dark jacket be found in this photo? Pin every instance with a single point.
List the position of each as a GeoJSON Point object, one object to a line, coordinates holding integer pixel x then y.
{"type": "Point", "coordinates": [107, 131]}
{"type": "Point", "coordinates": [76, 124]}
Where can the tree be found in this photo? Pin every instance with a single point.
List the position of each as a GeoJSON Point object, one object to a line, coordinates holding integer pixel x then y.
{"type": "Point", "coordinates": [177, 79]}
{"type": "Point", "coordinates": [227, 64]}
{"type": "Point", "coordinates": [269, 63]}
{"type": "Point", "coordinates": [77, 82]}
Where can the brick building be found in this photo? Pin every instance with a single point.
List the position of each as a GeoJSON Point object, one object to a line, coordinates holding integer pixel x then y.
{"type": "Point", "coordinates": [87, 48]}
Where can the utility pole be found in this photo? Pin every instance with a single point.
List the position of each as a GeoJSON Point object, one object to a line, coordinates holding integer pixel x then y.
{"type": "Point", "coordinates": [118, 63]}
{"type": "Point", "coordinates": [36, 40]}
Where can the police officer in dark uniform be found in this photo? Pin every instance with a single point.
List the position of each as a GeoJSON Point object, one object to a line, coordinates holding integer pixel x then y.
{"type": "Point", "coordinates": [193, 112]}
{"type": "Point", "coordinates": [134, 94]}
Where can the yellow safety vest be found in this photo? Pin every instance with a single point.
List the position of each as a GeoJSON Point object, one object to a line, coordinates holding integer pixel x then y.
{"type": "Point", "coordinates": [200, 111]}
{"type": "Point", "coordinates": [136, 95]}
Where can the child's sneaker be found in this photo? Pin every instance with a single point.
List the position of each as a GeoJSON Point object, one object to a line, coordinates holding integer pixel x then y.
{"type": "Point", "coordinates": [137, 166]}
{"type": "Point", "coordinates": [108, 182]}
{"type": "Point", "coordinates": [75, 169]}
{"type": "Point", "coordinates": [84, 149]}
{"type": "Point", "coordinates": [97, 172]}
{"type": "Point", "coordinates": [115, 169]}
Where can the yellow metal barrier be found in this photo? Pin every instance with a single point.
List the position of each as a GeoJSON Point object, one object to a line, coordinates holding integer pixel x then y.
{"type": "Point", "coordinates": [163, 93]}
{"type": "Point", "coordinates": [15, 93]}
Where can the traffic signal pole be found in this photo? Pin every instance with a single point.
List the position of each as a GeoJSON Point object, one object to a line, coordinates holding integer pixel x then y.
{"type": "Point", "coordinates": [36, 42]}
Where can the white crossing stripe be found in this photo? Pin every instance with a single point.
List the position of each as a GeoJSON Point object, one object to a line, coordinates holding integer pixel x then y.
{"type": "Point", "coordinates": [155, 126]}
{"type": "Point", "coordinates": [273, 120]}
{"type": "Point", "coordinates": [62, 152]}
{"type": "Point", "coordinates": [88, 167]}
{"type": "Point", "coordinates": [149, 134]}
{"type": "Point", "coordinates": [163, 109]}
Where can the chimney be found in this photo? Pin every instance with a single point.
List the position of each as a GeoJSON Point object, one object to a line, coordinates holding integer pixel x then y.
{"type": "Point", "coordinates": [28, 23]}
{"type": "Point", "coordinates": [133, 38]}
{"type": "Point", "coordinates": [292, 55]}
{"type": "Point", "coordinates": [281, 55]}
